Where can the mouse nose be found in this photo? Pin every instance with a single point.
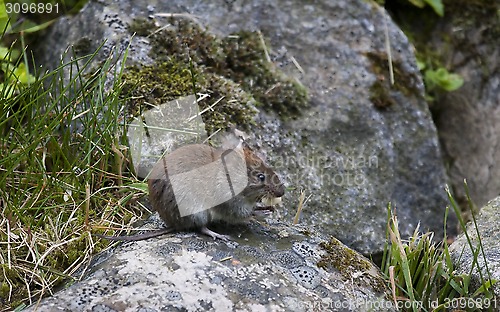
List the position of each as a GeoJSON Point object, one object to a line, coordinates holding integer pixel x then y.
{"type": "Point", "coordinates": [280, 191]}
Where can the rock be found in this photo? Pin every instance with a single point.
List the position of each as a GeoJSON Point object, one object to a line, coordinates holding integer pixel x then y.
{"type": "Point", "coordinates": [468, 119]}
{"type": "Point", "coordinates": [267, 268]}
{"type": "Point", "coordinates": [356, 144]}
{"type": "Point", "coordinates": [488, 224]}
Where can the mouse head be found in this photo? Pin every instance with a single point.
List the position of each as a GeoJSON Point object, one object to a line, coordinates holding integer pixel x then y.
{"type": "Point", "coordinates": [262, 180]}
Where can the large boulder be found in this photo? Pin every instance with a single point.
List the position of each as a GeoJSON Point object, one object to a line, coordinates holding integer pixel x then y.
{"type": "Point", "coordinates": [357, 143]}
{"type": "Point", "coordinates": [267, 268]}
{"type": "Point", "coordinates": [485, 244]}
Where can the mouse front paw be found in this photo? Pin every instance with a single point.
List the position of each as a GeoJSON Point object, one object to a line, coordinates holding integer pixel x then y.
{"type": "Point", "coordinates": [262, 214]}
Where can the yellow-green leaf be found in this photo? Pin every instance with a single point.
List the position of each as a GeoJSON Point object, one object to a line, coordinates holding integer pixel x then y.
{"type": "Point", "coordinates": [4, 18]}
{"type": "Point", "coordinates": [417, 3]}
{"type": "Point", "coordinates": [22, 74]}
{"type": "Point", "coordinates": [437, 6]}
{"type": "Point", "coordinates": [443, 79]}
{"type": "Point", "coordinates": [7, 54]}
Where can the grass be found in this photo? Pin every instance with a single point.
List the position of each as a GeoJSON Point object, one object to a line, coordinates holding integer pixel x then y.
{"type": "Point", "coordinates": [422, 276]}
{"type": "Point", "coordinates": [63, 172]}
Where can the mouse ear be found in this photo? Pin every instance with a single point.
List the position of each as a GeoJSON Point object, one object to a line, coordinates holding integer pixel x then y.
{"type": "Point", "coordinates": [230, 141]}
{"type": "Point", "coordinates": [233, 137]}
{"type": "Point", "coordinates": [232, 130]}
{"type": "Point", "coordinates": [240, 134]}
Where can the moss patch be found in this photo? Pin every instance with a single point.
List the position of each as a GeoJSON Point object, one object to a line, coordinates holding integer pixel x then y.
{"type": "Point", "coordinates": [350, 264]}
{"type": "Point", "coordinates": [380, 91]}
{"type": "Point", "coordinates": [83, 46]}
{"type": "Point", "coordinates": [172, 79]}
{"type": "Point", "coordinates": [234, 66]}
{"type": "Point", "coordinates": [142, 26]}
{"type": "Point", "coordinates": [19, 291]}
{"type": "Point", "coordinates": [246, 64]}
{"type": "Point", "coordinates": [380, 95]}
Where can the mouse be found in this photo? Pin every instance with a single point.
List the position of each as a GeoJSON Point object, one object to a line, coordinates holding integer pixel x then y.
{"type": "Point", "coordinates": [197, 185]}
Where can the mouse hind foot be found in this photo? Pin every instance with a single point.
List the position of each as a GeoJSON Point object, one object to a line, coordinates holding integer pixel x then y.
{"type": "Point", "coordinates": [214, 235]}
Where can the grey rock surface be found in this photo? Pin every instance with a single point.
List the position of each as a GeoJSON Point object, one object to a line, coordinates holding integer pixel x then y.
{"type": "Point", "coordinates": [267, 268]}
{"type": "Point", "coordinates": [488, 224]}
{"type": "Point", "coordinates": [469, 118]}
{"type": "Point", "coordinates": [360, 144]}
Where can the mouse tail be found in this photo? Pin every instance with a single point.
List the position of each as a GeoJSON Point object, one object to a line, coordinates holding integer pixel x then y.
{"type": "Point", "coordinates": [137, 237]}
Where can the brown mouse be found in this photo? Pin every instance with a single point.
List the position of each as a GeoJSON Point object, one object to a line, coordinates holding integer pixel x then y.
{"type": "Point", "coordinates": [197, 185]}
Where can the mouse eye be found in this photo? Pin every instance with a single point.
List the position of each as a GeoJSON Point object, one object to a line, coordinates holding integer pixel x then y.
{"type": "Point", "coordinates": [261, 177]}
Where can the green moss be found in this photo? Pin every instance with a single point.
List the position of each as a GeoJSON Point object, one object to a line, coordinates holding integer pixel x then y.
{"type": "Point", "coordinates": [172, 79]}
{"type": "Point", "coordinates": [19, 291]}
{"type": "Point", "coordinates": [4, 290]}
{"type": "Point", "coordinates": [157, 84]}
{"type": "Point", "coordinates": [74, 249]}
{"type": "Point", "coordinates": [380, 95]}
{"type": "Point", "coordinates": [247, 65]}
{"type": "Point", "coordinates": [142, 26]}
{"type": "Point", "coordinates": [380, 91]}
{"type": "Point", "coordinates": [232, 65]}
{"type": "Point", "coordinates": [187, 41]}
{"type": "Point", "coordinates": [83, 46]}
{"type": "Point", "coordinates": [342, 258]}
{"type": "Point", "coordinates": [67, 255]}
{"type": "Point", "coordinates": [349, 264]}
